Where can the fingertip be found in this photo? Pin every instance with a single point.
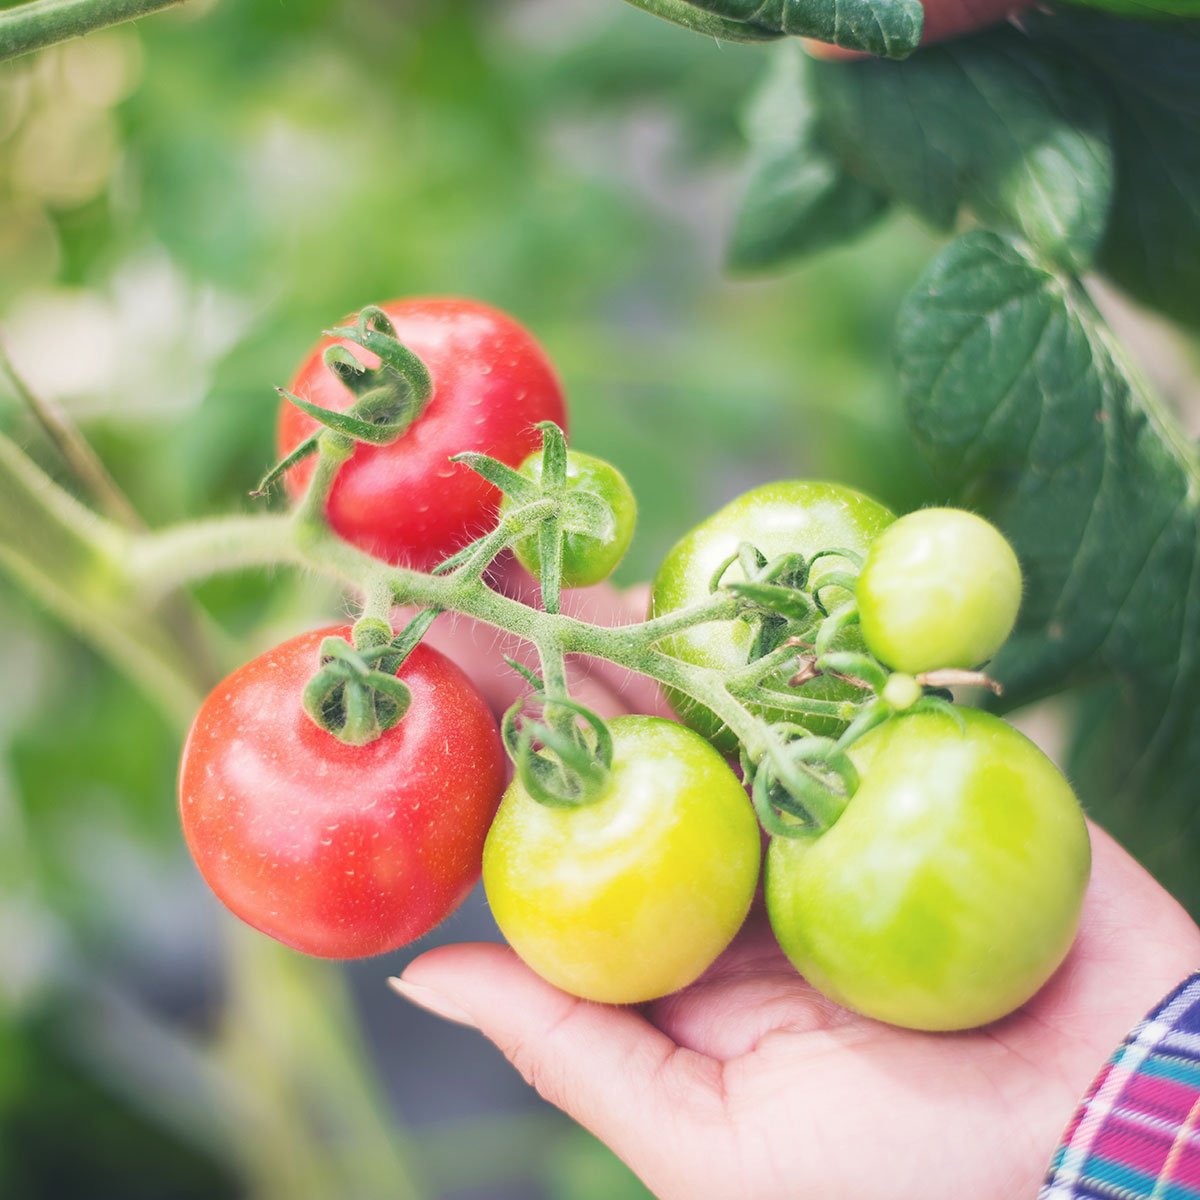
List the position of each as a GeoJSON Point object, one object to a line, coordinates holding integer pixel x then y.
{"type": "Point", "coordinates": [826, 52]}
{"type": "Point", "coordinates": [431, 1001]}
{"type": "Point", "coordinates": [463, 965]}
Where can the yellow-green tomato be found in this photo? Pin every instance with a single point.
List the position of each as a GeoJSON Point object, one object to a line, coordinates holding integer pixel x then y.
{"type": "Point", "coordinates": [632, 896]}
{"type": "Point", "coordinates": [941, 588]}
{"type": "Point", "coordinates": [587, 558]}
{"type": "Point", "coordinates": [950, 889]}
{"type": "Point", "coordinates": [793, 516]}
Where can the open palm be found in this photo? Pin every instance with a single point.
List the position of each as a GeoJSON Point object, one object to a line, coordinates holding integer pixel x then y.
{"type": "Point", "coordinates": [750, 1084]}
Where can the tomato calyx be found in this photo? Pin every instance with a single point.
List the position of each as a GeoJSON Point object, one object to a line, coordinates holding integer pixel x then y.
{"type": "Point", "coordinates": [388, 398]}
{"type": "Point", "coordinates": [802, 784]}
{"type": "Point", "coordinates": [546, 507]}
{"type": "Point", "coordinates": [559, 764]}
{"type": "Point", "coordinates": [355, 695]}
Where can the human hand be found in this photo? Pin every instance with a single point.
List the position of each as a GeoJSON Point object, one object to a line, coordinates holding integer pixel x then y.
{"type": "Point", "coordinates": [749, 1083]}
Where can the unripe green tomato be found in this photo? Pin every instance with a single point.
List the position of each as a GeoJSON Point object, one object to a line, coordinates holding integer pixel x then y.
{"type": "Point", "coordinates": [586, 559]}
{"type": "Point", "coordinates": [778, 518]}
{"type": "Point", "coordinates": [950, 889]}
{"type": "Point", "coordinates": [941, 588]}
{"type": "Point", "coordinates": [632, 896]}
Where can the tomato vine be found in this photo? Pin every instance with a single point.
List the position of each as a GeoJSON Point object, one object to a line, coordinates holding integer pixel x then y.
{"type": "Point", "coordinates": [40, 23]}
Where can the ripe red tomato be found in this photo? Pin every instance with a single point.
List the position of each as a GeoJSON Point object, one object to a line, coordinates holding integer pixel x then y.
{"type": "Point", "coordinates": [406, 502]}
{"type": "Point", "coordinates": [340, 851]}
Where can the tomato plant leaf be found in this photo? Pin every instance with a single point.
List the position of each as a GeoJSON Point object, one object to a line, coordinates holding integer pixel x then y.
{"type": "Point", "coordinates": [799, 198]}
{"type": "Point", "coordinates": [799, 203]}
{"type": "Point", "coordinates": [891, 28]}
{"type": "Point", "coordinates": [988, 125]}
{"type": "Point", "coordinates": [1022, 400]}
{"type": "Point", "coordinates": [1150, 76]}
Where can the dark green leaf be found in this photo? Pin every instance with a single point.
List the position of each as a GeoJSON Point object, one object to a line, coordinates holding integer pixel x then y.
{"type": "Point", "coordinates": [1150, 75]}
{"type": "Point", "coordinates": [989, 125]}
{"type": "Point", "coordinates": [799, 198]}
{"type": "Point", "coordinates": [891, 28]}
{"type": "Point", "coordinates": [1019, 396]}
{"type": "Point", "coordinates": [798, 203]}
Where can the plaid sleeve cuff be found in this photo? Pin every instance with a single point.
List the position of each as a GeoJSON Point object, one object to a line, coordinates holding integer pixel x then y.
{"type": "Point", "coordinates": [1136, 1136]}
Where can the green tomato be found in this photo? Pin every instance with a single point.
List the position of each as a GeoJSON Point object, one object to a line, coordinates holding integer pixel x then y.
{"type": "Point", "coordinates": [632, 896]}
{"type": "Point", "coordinates": [950, 889]}
{"type": "Point", "coordinates": [778, 518]}
{"type": "Point", "coordinates": [941, 588]}
{"type": "Point", "coordinates": [586, 559]}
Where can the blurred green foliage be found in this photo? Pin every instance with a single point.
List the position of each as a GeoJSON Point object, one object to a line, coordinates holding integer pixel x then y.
{"type": "Point", "coordinates": [184, 205]}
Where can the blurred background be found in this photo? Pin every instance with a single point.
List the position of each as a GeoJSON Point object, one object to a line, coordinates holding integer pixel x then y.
{"type": "Point", "coordinates": [184, 204]}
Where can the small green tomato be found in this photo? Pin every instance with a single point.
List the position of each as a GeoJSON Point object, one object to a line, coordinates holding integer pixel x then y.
{"type": "Point", "coordinates": [633, 895]}
{"type": "Point", "coordinates": [586, 559]}
{"type": "Point", "coordinates": [901, 691]}
{"type": "Point", "coordinates": [940, 588]}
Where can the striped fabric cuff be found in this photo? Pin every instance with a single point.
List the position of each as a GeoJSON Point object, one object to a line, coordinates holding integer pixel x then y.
{"type": "Point", "coordinates": [1136, 1135]}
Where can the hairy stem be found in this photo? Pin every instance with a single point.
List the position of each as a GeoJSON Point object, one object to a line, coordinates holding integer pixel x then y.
{"type": "Point", "coordinates": [162, 560]}
{"type": "Point", "coordinates": [627, 646]}
{"type": "Point", "coordinates": [41, 23]}
{"type": "Point", "coordinates": [107, 580]}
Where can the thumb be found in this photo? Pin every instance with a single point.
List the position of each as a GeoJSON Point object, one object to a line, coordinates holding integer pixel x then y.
{"type": "Point", "coordinates": [608, 1068]}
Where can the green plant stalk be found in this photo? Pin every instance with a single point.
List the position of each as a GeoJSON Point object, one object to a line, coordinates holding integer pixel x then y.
{"type": "Point", "coordinates": [161, 561]}
{"type": "Point", "coordinates": [106, 579]}
{"type": "Point", "coordinates": [629, 646]}
{"type": "Point", "coordinates": [74, 449]}
{"type": "Point", "coordinates": [41, 23]}
{"type": "Point", "coordinates": [197, 550]}
{"type": "Point", "coordinates": [74, 562]}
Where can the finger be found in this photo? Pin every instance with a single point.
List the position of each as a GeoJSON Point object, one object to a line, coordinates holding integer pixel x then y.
{"type": "Point", "coordinates": [607, 1067]}
{"type": "Point", "coordinates": [951, 18]}
{"type": "Point", "coordinates": [750, 992]}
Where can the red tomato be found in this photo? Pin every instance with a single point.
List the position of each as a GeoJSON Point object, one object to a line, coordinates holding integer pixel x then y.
{"type": "Point", "coordinates": [340, 851]}
{"type": "Point", "coordinates": [492, 383]}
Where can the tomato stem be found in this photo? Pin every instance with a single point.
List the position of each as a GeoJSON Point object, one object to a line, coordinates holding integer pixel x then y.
{"type": "Point", "coordinates": [41, 23]}
{"type": "Point", "coordinates": [139, 567]}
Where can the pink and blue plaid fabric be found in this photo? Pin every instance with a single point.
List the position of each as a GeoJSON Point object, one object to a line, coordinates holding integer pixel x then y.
{"type": "Point", "coordinates": [1137, 1134]}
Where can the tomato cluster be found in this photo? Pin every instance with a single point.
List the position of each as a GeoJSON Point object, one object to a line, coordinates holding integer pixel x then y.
{"type": "Point", "coordinates": [343, 792]}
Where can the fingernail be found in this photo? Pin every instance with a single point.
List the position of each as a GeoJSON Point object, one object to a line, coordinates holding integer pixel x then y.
{"type": "Point", "coordinates": [431, 1001]}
